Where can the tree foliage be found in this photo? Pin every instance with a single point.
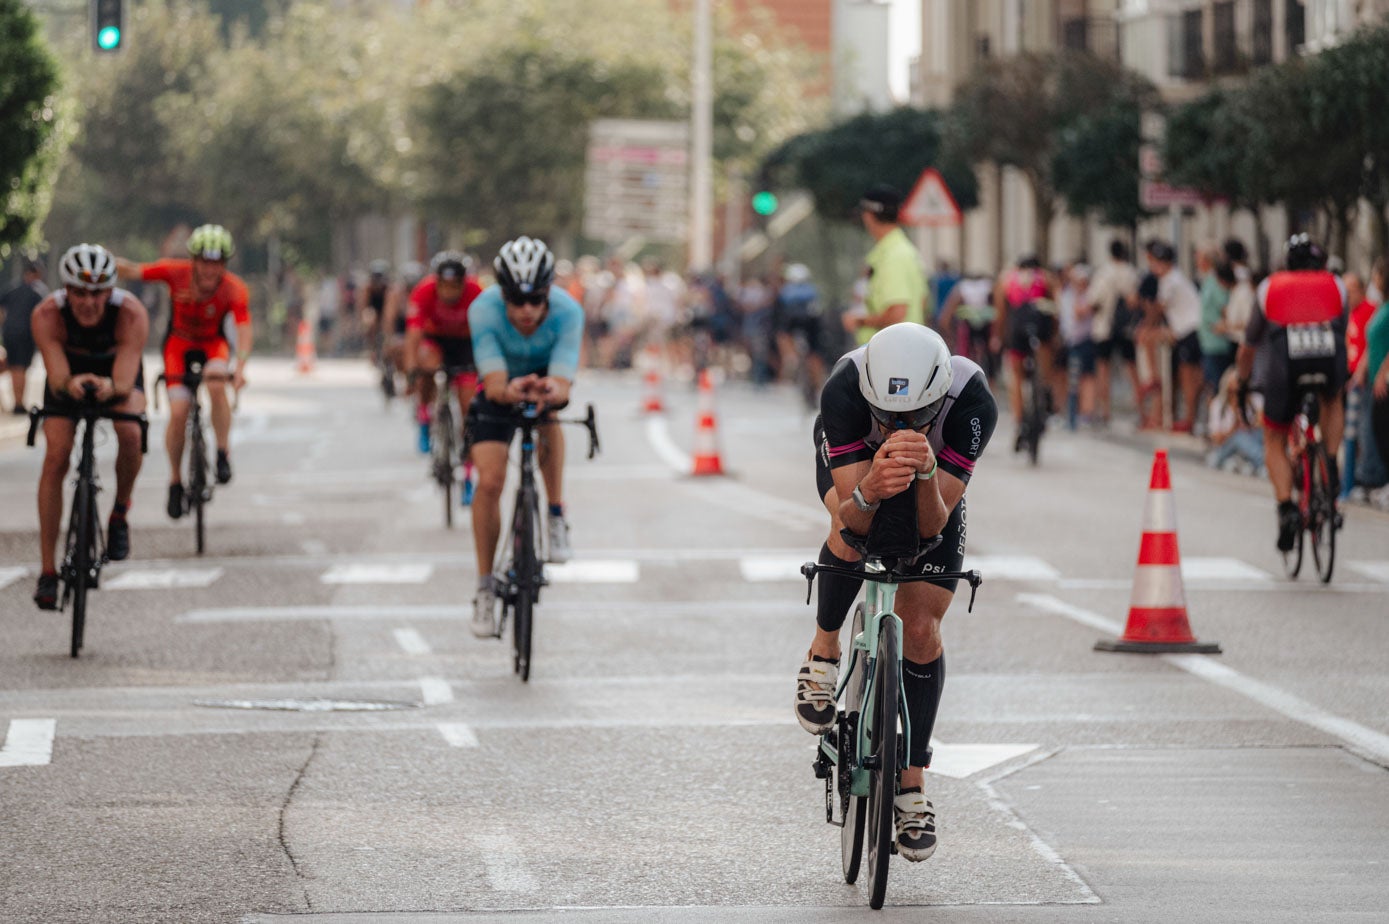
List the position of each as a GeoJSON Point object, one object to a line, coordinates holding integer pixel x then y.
{"type": "Point", "coordinates": [836, 164]}
{"type": "Point", "coordinates": [285, 119]}
{"type": "Point", "coordinates": [29, 140]}
{"type": "Point", "coordinates": [1067, 120]}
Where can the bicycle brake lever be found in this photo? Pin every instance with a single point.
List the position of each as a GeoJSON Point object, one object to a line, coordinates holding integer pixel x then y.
{"type": "Point", "coordinates": [974, 581]}
{"type": "Point", "coordinates": [808, 569]}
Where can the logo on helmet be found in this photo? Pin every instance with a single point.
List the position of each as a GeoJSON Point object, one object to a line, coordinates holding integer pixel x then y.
{"type": "Point", "coordinates": [897, 388]}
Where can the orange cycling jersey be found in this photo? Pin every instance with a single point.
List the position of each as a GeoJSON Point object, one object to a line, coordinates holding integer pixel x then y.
{"type": "Point", "coordinates": [193, 318]}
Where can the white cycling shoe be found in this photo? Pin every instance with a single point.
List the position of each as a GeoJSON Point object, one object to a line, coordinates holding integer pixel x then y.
{"type": "Point", "coordinates": [916, 825]}
{"type": "Point", "coordinates": [815, 685]}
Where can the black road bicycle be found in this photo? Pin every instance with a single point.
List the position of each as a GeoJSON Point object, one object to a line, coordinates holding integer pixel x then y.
{"type": "Point", "coordinates": [197, 492]}
{"type": "Point", "coordinates": [85, 549]}
{"type": "Point", "coordinates": [519, 566]}
{"type": "Point", "coordinates": [446, 452]}
{"type": "Point", "coordinates": [1034, 399]}
{"type": "Point", "coordinates": [1314, 493]}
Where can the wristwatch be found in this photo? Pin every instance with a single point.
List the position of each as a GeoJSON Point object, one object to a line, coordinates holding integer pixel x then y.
{"type": "Point", "coordinates": [861, 502]}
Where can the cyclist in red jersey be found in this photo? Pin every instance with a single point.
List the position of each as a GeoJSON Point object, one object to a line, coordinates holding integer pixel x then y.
{"type": "Point", "coordinates": [437, 337]}
{"type": "Point", "coordinates": [202, 295]}
{"type": "Point", "coordinates": [1295, 344]}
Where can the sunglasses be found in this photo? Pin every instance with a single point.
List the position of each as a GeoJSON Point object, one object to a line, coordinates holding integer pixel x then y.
{"type": "Point", "coordinates": [83, 290]}
{"type": "Point", "coordinates": [533, 298]}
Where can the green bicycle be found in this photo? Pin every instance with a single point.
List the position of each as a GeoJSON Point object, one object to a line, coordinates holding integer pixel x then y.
{"type": "Point", "coordinates": [861, 756]}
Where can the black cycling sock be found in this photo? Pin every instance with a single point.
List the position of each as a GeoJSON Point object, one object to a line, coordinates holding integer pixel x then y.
{"type": "Point", "coordinates": [837, 591]}
{"type": "Point", "coordinates": [118, 511]}
{"type": "Point", "coordinates": [556, 510]}
{"type": "Point", "coordinates": [922, 685]}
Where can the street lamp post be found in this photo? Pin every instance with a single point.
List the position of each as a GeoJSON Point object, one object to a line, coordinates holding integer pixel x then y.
{"type": "Point", "coordinates": [702, 140]}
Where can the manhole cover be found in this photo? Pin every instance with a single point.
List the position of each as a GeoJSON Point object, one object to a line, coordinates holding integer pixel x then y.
{"type": "Point", "coordinates": [304, 705]}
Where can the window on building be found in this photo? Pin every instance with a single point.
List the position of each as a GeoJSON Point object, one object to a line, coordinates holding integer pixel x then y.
{"type": "Point", "coordinates": [1186, 57]}
{"type": "Point", "coordinates": [1075, 34]}
{"type": "Point", "coordinates": [1262, 46]}
{"type": "Point", "coordinates": [1226, 58]}
{"type": "Point", "coordinates": [1296, 24]}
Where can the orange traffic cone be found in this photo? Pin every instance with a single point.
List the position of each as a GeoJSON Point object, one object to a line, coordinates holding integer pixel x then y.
{"type": "Point", "coordinates": [652, 403]}
{"type": "Point", "coordinates": [706, 443]}
{"type": "Point", "coordinates": [1157, 609]}
{"type": "Point", "coordinates": [304, 353]}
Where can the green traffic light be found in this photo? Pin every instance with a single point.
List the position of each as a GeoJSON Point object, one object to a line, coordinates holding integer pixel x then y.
{"type": "Point", "coordinates": [109, 38]}
{"type": "Point", "coordinates": [764, 203]}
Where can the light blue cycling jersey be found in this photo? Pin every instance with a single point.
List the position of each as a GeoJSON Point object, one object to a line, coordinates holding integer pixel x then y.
{"type": "Point", "coordinates": [500, 347]}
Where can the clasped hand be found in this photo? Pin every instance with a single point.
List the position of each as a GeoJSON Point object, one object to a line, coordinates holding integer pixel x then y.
{"type": "Point", "coordinates": [901, 457]}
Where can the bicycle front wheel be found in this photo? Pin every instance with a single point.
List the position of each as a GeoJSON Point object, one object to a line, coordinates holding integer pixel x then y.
{"type": "Point", "coordinates": [882, 780]}
{"type": "Point", "coordinates": [854, 807]}
{"type": "Point", "coordinates": [527, 580]}
{"type": "Point", "coordinates": [197, 460]}
{"type": "Point", "coordinates": [1321, 508]}
{"type": "Point", "coordinates": [442, 439]}
{"type": "Point", "coordinates": [80, 558]}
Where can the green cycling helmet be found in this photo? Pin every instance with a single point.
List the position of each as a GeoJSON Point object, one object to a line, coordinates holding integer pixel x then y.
{"type": "Point", "coordinates": [211, 242]}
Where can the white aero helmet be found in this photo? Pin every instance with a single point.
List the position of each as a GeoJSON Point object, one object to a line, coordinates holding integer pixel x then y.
{"type": "Point", "coordinates": [525, 268]}
{"type": "Point", "coordinates": [905, 375]}
{"type": "Point", "coordinates": [88, 266]}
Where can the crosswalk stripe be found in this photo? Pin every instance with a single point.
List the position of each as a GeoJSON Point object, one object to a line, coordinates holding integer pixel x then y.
{"type": "Point", "coordinates": [614, 571]}
{"type": "Point", "coordinates": [163, 579]}
{"type": "Point", "coordinates": [435, 691]}
{"type": "Point", "coordinates": [375, 573]}
{"type": "Point", "coordinates": [411, 642]}
{"type": "Point", "coordinates": [29, 743]}
{"type": "Point", "coordinates": [1374, 570]}
{"type": "Point", "coordinates": [9, 575]}
{"type": "Point", "coordinates": [1198, 568]}
{"type": "Point", "coordinates": [458, 735]}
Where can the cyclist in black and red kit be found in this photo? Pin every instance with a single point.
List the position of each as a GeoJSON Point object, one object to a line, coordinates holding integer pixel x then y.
{"type": "Point", "coordinates": [901, 420]}
{"type": "Point", "coordinates": [1295, 344]}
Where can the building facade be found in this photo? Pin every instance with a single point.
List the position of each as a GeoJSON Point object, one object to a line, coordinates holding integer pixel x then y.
{"type": "Point", "coordinates": [1182, 46]}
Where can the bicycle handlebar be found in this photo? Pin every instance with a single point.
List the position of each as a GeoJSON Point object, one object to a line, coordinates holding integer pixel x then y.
{"type": "Point", "coordinates": [90, 412]}
{"type": "Point", "coordinates": [531, 410]}
{"type": "Point", "coordinates": [972, 577]}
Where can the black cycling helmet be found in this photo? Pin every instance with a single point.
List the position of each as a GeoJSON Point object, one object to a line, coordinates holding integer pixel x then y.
{"type": "Point", "coordinates": [1303, 253]}
{"type": "Point", "coordinates": [525, 268]}
{"type": "Point", "coordinates": [449, 265]}
{"type": "Point", "coordinates": [882, 200]}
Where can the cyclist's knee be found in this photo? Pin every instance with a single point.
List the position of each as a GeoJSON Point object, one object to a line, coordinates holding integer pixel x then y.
{"type": "Point", "coordinates": [840, 548]}
{"type": "Point", "coordinates": [55, 460]}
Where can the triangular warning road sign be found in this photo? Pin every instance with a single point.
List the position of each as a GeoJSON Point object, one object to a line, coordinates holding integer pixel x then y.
{"type": "Point", "coordinates": [930, 203]}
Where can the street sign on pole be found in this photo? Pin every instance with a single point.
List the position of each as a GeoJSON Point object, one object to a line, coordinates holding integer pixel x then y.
{"type": "Point", "coordinates": [637, 181]}
{"type": "Point", "coordinates": [931, 203]}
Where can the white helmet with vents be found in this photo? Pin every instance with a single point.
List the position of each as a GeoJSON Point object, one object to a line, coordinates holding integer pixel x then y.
{"type": "Point", "coordinates": [88, 266]}
{"type": "Point", "coordinates": [525, 268]}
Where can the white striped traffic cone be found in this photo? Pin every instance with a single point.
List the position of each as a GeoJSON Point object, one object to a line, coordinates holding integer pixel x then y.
{"type": "Point", "coordinates": [706, 441]}
{"type": "Point", "coordinates": [1157, 621]}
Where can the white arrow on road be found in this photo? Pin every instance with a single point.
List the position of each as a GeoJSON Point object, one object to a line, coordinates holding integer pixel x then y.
{"type": "Point", "coordinates": [29, 743]}
{"type": "Point", "coordinates": [959, 761]}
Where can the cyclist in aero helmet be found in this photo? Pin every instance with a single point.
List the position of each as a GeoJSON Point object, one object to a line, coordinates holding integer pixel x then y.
{"type": "Point", "coordinates": [526, 336]}
{"type": "Point", "coordinates": [902, 424]}
{"type": "Point", "coordinates": [202, 294]}
{"type": "Point", "coordinates": [91, 335]}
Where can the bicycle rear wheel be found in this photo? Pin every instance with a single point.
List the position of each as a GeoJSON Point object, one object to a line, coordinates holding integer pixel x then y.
{"type": "Point", "coordinates": [1037, 415]}
{"type": "Point", "coordinates": [882, 781]}
{"type": "Point", "coordinates": [527, 580]}
{"type": "Point", "coordinates": [80, 558]}
{"type": "Point", "coordinates": [1321, 508]}
{"type": "Point", "coordinates": [854, 807]}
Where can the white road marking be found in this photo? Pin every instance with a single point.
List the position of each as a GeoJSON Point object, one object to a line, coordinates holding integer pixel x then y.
{"type": "Point", "coordinates": [163, 579]}
{"type": "Point", "coordinates": [1011, 568]}
{"type": "Point", "coordinates": [773, 567]}
{"type": "Point", "coordinates": [1374, 570]}
{"type": "Point", "coordinates": [9, 575]}
{"type": "Point", "coordinates": [594, 572]}
{"type": "Point", "coordinates": [29, 743]}
{"type": "Point", "coordinates": [1196, 568]}
{"type": "Point", "coordinates": [1043, 849]}
{"type": "Point", "coordinates": [292, 518]}
{"type": "Point", "coordinates": [436, 691]}
{"type": "Point", "coordinates": [658, 435]}
{"type": "Point", "coordinates": [1356, 736]}
{"type": "Point", "coordinates": [505, 862]}
{"type": "Point", "coordinates": [411, 642]}
{"type": "Point", "coordinates": [959, 761]}
{"type": "Point", "coordinates": [378, 573]}
{"type": "Point", "coordinates": [457, 734]}
{"type": "Point", "coordinates": [432, 613]}
{"type": "Point", "coordinates": [313, 547]}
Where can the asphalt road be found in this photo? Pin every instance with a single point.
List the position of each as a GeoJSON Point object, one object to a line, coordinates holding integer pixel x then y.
{"type": "Point", "coordinates": [299, 722]}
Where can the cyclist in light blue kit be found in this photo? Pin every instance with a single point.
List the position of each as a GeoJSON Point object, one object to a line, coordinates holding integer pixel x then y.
{"type": "Point", "coordinates": [526, 338]}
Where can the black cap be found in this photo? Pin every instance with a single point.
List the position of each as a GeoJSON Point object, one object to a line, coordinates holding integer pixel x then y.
{"type": "Point", "coordinates": [882, 200]}
{"type": "Point", "coordinates": [1162, 252]}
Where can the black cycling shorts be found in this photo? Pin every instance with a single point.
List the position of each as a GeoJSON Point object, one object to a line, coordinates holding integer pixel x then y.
{"type": "Point", "coordinates": [1025, 320]}
{"type": "Point", "coordinates": [63, 403]}
{"type": "Point", "coordinates": [489, 422]}
{"type": "Point", "coordinates": [456, 352]}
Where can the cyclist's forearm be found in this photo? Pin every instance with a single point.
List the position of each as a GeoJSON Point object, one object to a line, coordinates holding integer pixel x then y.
{"type": "Point", "coordinates": [245, 340]}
